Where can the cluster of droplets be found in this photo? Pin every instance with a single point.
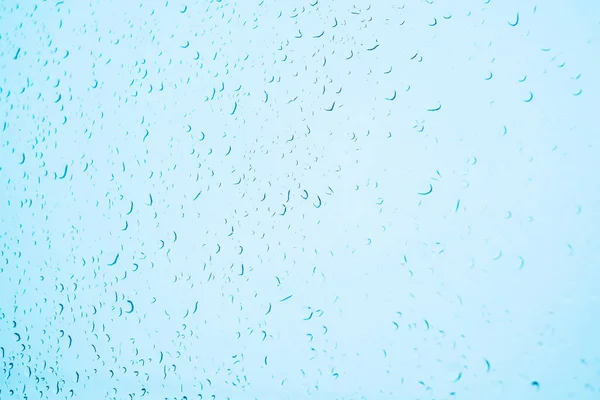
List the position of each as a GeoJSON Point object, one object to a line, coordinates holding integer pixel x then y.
{"type": "Point", "coordinates": [292, 199]}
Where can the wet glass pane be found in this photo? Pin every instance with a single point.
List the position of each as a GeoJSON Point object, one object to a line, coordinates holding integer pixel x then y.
{"type": "Point", "coordinates": [285, 199]}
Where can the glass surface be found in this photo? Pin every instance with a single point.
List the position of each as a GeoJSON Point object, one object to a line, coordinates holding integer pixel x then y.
{"type": "Point", "coordinates": [299, 200]}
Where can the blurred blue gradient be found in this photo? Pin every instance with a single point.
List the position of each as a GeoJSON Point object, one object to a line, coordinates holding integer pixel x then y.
{"type": "Point", "coordinates": [293, 199]}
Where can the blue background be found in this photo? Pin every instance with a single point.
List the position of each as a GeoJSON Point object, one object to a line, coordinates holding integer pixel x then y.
{"type": "Point", "coordinates": [420, 178]}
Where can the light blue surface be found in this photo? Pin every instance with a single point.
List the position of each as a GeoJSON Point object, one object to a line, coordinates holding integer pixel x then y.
{"type": "Point", "coordinates": [181, 215]}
